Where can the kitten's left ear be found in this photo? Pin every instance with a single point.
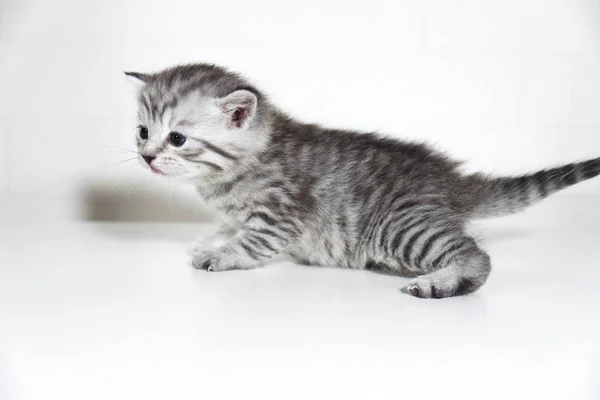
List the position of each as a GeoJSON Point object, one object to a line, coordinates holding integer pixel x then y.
{"type": "Point", "coordinates": [239, 107]}
{"type": "Point", "coordinates": [138, 77]}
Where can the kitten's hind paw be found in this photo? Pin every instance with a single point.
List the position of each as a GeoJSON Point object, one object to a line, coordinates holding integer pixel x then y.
{"type": "Point", "coordinates": [426, 289]}
{"type": "Point", "coordinates": [440, 284]}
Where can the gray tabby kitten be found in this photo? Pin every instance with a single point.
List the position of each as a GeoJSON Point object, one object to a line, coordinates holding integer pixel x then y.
{"type": "Point", "coordinates": [324, 196]}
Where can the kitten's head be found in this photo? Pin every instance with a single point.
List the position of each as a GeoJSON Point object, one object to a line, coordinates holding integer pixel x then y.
{"type": "Point", "coordinates": [197, 121]}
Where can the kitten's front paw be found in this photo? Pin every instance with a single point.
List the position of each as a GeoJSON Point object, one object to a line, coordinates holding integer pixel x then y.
{"type": "Point", "coordinates": [212, 261]}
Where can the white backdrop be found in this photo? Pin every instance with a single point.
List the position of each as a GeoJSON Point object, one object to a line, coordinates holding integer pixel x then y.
{"type": "Point", "coordinates": [507, 85]}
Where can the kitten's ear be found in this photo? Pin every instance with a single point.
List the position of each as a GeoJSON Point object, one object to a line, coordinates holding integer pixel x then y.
{"type": "Point", "coordinates": [239, 107]}
{"type": "Point", "coordinates": [138, 77]}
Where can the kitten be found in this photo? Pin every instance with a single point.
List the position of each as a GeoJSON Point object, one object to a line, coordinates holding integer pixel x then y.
{"type": "Point", "coordinates": [324, 196]}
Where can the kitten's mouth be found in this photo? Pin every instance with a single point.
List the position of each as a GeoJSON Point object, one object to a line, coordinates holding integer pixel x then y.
{"type": "Point", "coordinates": [157, 171]}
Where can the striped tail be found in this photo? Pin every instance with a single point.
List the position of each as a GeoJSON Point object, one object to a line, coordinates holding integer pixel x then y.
{"type": "Point", "coordinates": [490, 197]}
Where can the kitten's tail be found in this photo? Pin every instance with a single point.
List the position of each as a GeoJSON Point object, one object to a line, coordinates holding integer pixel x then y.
{"type": "Point", "coordinates": [490, 197]}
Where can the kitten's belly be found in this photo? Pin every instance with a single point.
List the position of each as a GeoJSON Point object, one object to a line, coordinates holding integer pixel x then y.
{"type": "Point", "coordinates": [318, 248]}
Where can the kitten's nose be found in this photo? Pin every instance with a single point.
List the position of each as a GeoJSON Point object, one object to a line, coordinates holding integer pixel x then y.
{"type": "Point", "coordinates": [148, 158]}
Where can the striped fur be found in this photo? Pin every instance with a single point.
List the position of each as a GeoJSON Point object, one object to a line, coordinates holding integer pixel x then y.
{"type": "Point", "coordinates": [500, 196]}
{"type": "Point", "coordinates": [327, 197]}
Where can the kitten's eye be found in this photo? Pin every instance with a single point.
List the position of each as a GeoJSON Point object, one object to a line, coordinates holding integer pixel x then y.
{"type": "Point", "coordinates": [177, 139]}
{"type": "Point", "coordinates": [143, 132]}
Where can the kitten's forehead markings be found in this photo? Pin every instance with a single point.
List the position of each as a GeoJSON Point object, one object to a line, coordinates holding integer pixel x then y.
{"type": "Point", "coordinates": [153, 110]}
{"type": "Point", "coordinates": [181, 119]}
{"type": "Point", "coordinates": [185, 123]}
{"type": "Point", "coordinates": [145, 102]}
{"type": "Point", "coordinates": [169, 105]}
{"type": "Point", "coordinates": [167, 117]}
{"type": "Point", "coordinates": [157, 104]}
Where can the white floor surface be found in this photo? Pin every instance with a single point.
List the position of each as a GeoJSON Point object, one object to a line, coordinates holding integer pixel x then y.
{"type": "Point", "coordinates": [113, 311]}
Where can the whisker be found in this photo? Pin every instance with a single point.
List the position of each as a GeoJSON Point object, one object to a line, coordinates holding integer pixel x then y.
{"type": "Point", "coordinates": [125, 152]}
{"type": "Point", "coordinates": [115, 163]}
{"type": "Point", "coordinates": [124, 161]}
{"type": "Point", "coordinates": [112, 187]}
{"type": "Point", "coordinates": [120, 148]}
{"type": "Point", "coordinates": [76, 179]}
{"type": "Point", "coordinates": [170, 194]}
{"type": "Point", "coordinates": [128, 193]}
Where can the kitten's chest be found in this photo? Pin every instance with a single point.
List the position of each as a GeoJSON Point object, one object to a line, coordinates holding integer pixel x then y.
{"type": "Point", "coordinates": [235, 204]}
{"type": "Point", "coordinates": [240, 196]}
{"type": "Point", "coordinates": [232, 208]}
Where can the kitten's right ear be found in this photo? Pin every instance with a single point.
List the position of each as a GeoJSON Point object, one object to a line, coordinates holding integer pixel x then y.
{"type": "Point", "coordinates": [138, 77]}
{"type": "Point", "coordinates": [239, 108]}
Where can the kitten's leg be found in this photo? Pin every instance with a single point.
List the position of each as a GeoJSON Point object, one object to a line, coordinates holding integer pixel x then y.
{"type": "Point", "coordinates": [211, 242]}
{"type": "Point", "coordinates": [261, 238]}
{"type": "Point", "coordinates": [430, 239]}
{"type": "Point", "coordinates": [227, 229]}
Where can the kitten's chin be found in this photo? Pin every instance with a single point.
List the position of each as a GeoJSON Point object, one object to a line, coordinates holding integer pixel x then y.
{"type": "Point", "coordinates": [183, 178]}
{"type": "Point", "coordinates": [169, 174]}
